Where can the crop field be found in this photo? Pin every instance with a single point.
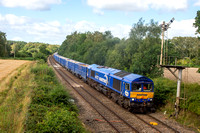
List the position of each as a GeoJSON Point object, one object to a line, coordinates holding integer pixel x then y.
{"type": "Point", "coordinates": [189, 75]}
{"type": "Point", "coordinates": [8, 66]}
{"type": "Point", "coordinates": [15, 89]}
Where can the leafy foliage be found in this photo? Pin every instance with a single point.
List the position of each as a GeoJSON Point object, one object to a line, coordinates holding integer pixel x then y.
{"type": "Point", "coordinates": [165, 92]}
{"type": "Point", "coordinates": [32, 50]}
{"type": "Point", "coordinates": [193, 103]}
{"type": "Point", "coordinates": [88, 47]}
{"type": "Point", "coordinates": [197, 22]}
{"type": "Point", "coordinates": [51, 109]}
{"type": "Point", "coordinates": [137, 54]}
{"type": "Point", "coordinates": [4, 47]}
{"type": "Point", "coordinates": [60, 120]}
{"type": "Point", "coordinates": [186, 50]}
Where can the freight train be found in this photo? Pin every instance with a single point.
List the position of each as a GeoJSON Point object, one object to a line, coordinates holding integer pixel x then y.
{"type": "Point", "coordinates": [132, 91]}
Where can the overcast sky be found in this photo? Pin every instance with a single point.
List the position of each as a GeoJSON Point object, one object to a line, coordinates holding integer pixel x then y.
{"type": "Point", "coordinates": [50, 21]}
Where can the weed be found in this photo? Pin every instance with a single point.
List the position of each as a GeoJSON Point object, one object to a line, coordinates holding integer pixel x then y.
{"type": "Point", "coordinates": [51, 109]}
{"type": "Point", "coordinates": [165, 96]}
{"type": "Point", "coordinates": [11, 99]}
{"type": "Point", "coordinates": [3, 95]}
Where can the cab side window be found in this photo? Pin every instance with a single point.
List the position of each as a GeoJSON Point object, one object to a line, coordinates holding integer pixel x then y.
{"type": "Point", "coordinates": [147, 87]}
{"type": "Point", "coordinates": [127, 86]}
{"type": "Point", "coordinates": [136, 87]}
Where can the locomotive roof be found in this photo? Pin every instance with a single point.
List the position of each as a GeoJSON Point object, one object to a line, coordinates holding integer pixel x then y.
{"type": "Point", "coordinates": [130, 77]}
{"type": "Point", "coordinates": [106, 70]}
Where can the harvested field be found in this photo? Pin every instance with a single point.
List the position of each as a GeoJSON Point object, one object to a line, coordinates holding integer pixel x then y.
{"type": "Point", "coordinates": [16, 82]}
{"type": "Point", "coordinates": [189, 75]}
{"type": "Point", "coordinates": [8, 66]}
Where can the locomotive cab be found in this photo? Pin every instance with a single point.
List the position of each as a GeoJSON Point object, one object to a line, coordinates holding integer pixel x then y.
{"type": "Point", "coordinates": [142, 94]}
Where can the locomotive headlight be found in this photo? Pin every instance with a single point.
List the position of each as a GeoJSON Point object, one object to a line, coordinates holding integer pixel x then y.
{"type": "Point", "coordinates": [133, 99]}
{"type": "Point", "coordinates": [150, 99]}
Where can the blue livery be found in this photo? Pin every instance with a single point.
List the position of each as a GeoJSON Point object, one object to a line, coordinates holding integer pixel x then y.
{"type": "Point", "coordinates": [127, 89]}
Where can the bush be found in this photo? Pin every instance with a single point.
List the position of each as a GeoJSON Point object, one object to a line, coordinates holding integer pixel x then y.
{"type": "Point", "coordinates": [51, 109]}
{"type": "Point", "coordinates": [165, 92]}
{"type": "Point", "coordinates": [60, 120]}
{"type": "Point", "coordinates": [39, 55]}
{"type": "Point", "coordinates": [35, 115]}
{"type": "Point", "coordinates": [164, 89]}
{"type": "Point", "coordinates": [42, 70]}
{"type": "Point", "coordinates": [193, 104]}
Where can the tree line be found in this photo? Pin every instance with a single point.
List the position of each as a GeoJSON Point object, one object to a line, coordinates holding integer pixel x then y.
{"type": "Point", "coordinates": [138, 53]}
{"type": "Point", "coordinates": [4, 47]}
{"type": "Point", "coordinates": [24, 50]}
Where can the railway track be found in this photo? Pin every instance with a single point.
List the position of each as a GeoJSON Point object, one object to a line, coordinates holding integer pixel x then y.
{"type": "Point", "coordinates": [161, 127]}
{"type": "Point", "coordinates": [118, 123]}
{"type": "Point", "coordinates": [113, 119]}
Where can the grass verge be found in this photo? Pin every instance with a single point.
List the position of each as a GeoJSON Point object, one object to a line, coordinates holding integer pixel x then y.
{"type": "Point", "coordinates": [51, 109]}
{"type": "Point", "coordinates": [165, 96]}
{"type": "Point", "coordinates": [14, 100]}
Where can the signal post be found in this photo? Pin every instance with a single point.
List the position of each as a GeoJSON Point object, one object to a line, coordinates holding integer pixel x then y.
{"type": "Point", "coordinates": [179, 68]}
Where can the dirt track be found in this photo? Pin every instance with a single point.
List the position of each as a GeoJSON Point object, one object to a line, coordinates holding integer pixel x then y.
{"type": "Point", "coordinates": [189, 75]}
{"type": "Point", "coordinates": [7, 66]}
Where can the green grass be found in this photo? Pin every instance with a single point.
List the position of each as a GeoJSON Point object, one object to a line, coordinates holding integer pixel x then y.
{"type": "Point", "coordinates": [51, 109]}
{"type": "Point", "coordinates": [13, 101]}
{"type": "Point", "coordinates": [165, 96]}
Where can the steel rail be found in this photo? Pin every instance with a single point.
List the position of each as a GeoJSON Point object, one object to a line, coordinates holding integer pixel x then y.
{"type": "Point", "coordinates": [75, 88]}
{"type": "Point", "coordinates": [164, 124]}
{"type": "Point", "coordinates": [113, 111]}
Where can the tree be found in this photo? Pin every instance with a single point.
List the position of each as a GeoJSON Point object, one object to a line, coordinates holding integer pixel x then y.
{"type": "Point", "coordinates": [43, 49]}
{"type": "Point", "coordinates": [15, 48]}
{"type": "Point", "coordinates": [197, 22]}
{"type": "Point", "coordinates": [182, 47]}
{"type": "Point", "coordinates": [4, 48]}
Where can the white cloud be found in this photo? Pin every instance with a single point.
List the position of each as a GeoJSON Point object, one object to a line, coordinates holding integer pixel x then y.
{"type": "Point", "coordinates": [30, 4]}
{"type": "Point", "coordinates": [138, 5]}
{"type": "Point", "coordinates": [30, 30]}
{"type": "Point", "coordinates": [27, 29]}
{"type": "Point", "coordinates": [119, 30]}
{"type": "Point", "coordinates": [99, 12]}
{"type": "Point", "coordinates": [182, 28]}
{"type": "Point", "coordinates": [14, 20]}
{"type": "Point", "coordinates": [17, 38]}
{"type": "Point", "coordinates": [84, 26]}
{"type": "Point", "coordinates": [197, 3]}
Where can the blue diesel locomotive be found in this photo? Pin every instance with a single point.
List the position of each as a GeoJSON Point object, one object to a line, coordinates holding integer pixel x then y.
{"type": "Point", "coordinates": [132, 91]}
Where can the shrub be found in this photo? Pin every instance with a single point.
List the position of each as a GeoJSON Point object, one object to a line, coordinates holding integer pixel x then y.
{"type": "Point", "coordinates": [35, 115]}
{"type": "Point", "coordinates": [51, 109]}
{"type": "Point", "coordinates": [60, 120]}
{"type": "Point", "coordinates": [193, 104]}
{"type": "Point", "coordinates": [164, 89]}
{"type": "Point", "coordinates": [39, 55]}
{"type": "Point", "coordinates": [42, 70]}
